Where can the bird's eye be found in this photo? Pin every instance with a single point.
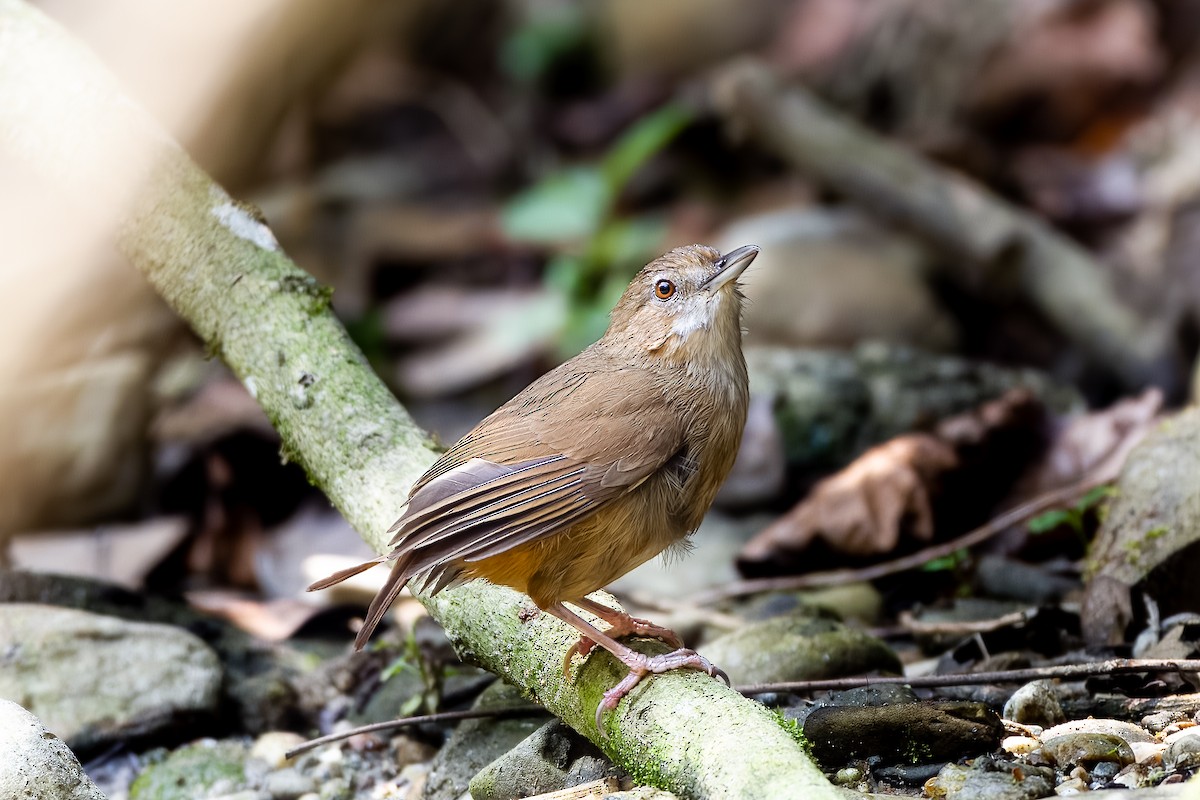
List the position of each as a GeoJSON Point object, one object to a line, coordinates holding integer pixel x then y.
{"type": "Point", "coordinates": [664, 290]}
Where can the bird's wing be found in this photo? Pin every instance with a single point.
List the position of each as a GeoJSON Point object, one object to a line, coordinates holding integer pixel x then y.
{"type": "Point", "coordinates": [540, 474]}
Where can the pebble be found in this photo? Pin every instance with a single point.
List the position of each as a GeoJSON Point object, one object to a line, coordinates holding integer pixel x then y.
{"type": "Point", "coordinates": [990, 779]}
{"type": "Point", "coordinates": [1071, 786]}
{"type": "Point", "coordinates": [1035, 703]}
{"type": "Point", "coordinates": [1147, 752]}
{"type": "Point", "coordinates": [288, 784]}
{"type": "Point", "coordinates": [272, 746]}
{"type": "Point", "coordinates": [1086, 748]}
{"type": "Point", "coordinates": [1019, 745]}
{"type": "Point", "coordinates": [1184, 752]}
{"type": "Point", "coordinates": [1125, 730]}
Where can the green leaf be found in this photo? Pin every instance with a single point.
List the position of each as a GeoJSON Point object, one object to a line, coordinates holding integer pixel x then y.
{"type": "Point", "coordinates": [400, 664]}
{"type": "Point", "coordinates": [643, 140]}
{"type": "Point", "coordinates": [1043, 523]}
{"type": "Point", "coordinates": [566, 206]}
{"type": "Point", "coordinates": [534, 47]}
{"type": "Point", "coordinates": [945, 563]}
{"type": "Point", "coordinates": [1095, 496]}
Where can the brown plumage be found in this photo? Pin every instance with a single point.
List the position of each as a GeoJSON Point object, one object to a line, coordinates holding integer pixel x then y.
{"type": "Point", "coordinates": [596, 467]}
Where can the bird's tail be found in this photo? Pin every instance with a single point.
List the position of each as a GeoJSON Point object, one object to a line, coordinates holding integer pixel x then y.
{"type": "Point", "coordinates": [387, 595]}
{"type": "Point", "coordinates": [343, 574]}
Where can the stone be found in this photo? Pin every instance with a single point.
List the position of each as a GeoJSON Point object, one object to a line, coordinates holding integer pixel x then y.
{"type": "Point", "coordinates": [205, 767]}
{"type": "Point", "coordinates": [798, 647]}
{"type": "Point", "coordinates": [991, 779]}
{"type": "Point", "coordinates": [288, 784]}
{"type": "Point", "coordinates": [272, 747]}
{"type": "Point", "coordinates": [1125, 730]}
{"type": "Point", "coordinates": [1035, 703]}
{"type": "Point", "coordinates": [554, 757]}
{"type": "Point", "coordinates": [1183, 753]}
{"type": "Point", "coordinates": [910, 733]}
{"type": "Point", "coordinates": [476, 743]}
{"type": "Point", "coordinates": [1086, 749]}
{"type": "Point", "coordinates": [95, 679]}
{"type": "Point", "coordinates": [37, 765]}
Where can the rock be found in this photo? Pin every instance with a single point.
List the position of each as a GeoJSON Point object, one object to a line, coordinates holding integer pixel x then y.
{"type": "Point", "coordinates": [1035, 703]}
{"type": "Point", "coordinates": [1019, 745]}
{"type": "Point", "coordinates": [1148, 540]}
{"type": "Point", "coordinates": [912, 733]}
{"type": "Point", "coordinates": [1074, 785]}
{"type": "Point", "coordinates": [1086, 749]}
{"type": "Point", "coordinates": [288, 784]}
{"type": "Point", "coordinates": [1127, 731]}
{"type": "Point", "coordinates": [849, 602]}
{"type": "Point", "coordinates": [1183, 753]}
{"type": "Point", "coordinates": [831, 406]}
{"type": "Point", "coordinates": [203, 768]}
{"type": "Point", "coordinates": [272, 746]}
{"type": "Point", "coordinates": [992, 779]}
{"type": "Point", "coordinates": [798, 648]}
{"type": "Point", "coordinates": [553, 757]}
{"type": "Point", "coordinates": [97, 679]}
{"type": "Point", "coordinates": [476, 743]}
{"type": "Point", "coordinates": [36, 764]}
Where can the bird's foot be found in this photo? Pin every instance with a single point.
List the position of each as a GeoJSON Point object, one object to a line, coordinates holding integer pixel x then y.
{"type": "Point", "coordinates": [622, 625]}
{"type": "Point", "coordinates": [640, 665]}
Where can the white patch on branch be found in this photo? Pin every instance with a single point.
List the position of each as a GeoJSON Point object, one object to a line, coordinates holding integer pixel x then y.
{"type": "Point", "coordinates": [244, 226]}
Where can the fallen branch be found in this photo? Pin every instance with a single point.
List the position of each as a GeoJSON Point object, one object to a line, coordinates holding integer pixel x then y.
{"type": "Point", "coordinates": [1116, 666]}
{"type": "Point", "coordinates": [979, 231]}
{"type": "Point", "coordinates": [421, 719]}
{"type": "Point", "coordinates": [1055, 498]}
{"type": "Point", "coordinates": [65, 120]}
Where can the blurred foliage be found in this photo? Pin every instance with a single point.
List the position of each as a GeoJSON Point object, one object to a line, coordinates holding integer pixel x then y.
{"type": "Point", "coordinates": [575, 210]}
{"type": "Point", "coordinates": [542, 40]}
{"type": "Point", "coordinates": [1075, 516]}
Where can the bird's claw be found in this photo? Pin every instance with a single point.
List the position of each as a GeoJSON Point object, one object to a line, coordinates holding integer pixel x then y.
{"type": "Point", "coordinates": [624, 625]}
{"type": "Point", "coordinates": [644, 665]}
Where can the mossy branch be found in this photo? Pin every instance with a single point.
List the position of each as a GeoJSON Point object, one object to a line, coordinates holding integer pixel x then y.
{"type": "Point", "coordinates": [218, 265]}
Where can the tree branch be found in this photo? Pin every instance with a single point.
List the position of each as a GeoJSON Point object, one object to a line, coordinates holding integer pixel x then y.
{"type": "Point", "coordinates": [218, 265]}
{"type": "Point", "coordinates": [979, 231]}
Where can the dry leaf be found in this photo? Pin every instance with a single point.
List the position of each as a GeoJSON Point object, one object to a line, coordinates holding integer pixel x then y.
{"type": "Point", "coordinates": [892, 490]}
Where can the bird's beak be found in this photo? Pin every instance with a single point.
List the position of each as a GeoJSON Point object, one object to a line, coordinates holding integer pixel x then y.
{"type": "Point", "coordinates": [730, 266]}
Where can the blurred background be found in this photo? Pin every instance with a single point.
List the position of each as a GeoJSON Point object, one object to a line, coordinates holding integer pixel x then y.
{"type": "Point", "coordinates": [478, 181]}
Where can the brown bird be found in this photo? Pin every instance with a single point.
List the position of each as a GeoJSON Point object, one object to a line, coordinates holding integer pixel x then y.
{"type": "Point", "coordinates": [596, 467]}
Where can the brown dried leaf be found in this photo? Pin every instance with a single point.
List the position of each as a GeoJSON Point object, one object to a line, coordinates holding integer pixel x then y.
{"type": "Point", "coordinates": [1089, 443]}
{"type": "Point", "coordinates": [862, 509]}
{"type": "Point", "coordinates": [889, 491]}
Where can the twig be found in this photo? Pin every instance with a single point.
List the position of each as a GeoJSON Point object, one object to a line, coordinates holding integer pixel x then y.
{"type": "Point", "coordinates": [407, 722]}
{"type": "Point", "coordinates": [1115, 666]}
{"type": "Point", "coordinates": [835, 577]}
{"type": "Point", "coordinates": [978, 230]}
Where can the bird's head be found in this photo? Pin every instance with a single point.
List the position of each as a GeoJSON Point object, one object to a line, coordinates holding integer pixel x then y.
{"type": "Point", "coordinates": [683, 303]}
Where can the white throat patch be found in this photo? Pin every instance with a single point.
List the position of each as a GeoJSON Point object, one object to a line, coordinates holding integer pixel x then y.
{"type": "Point", "coordinates": [695, 316]}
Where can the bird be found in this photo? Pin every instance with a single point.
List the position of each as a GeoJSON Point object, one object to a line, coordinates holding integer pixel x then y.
{"type": "Point", "coordinates": [599, 465]}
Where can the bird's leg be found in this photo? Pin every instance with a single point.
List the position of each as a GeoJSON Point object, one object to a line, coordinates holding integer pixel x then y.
{"type": "Point", "coordinates": [620, 625]}
{"type": "Point", "coordinates": [640, 665]}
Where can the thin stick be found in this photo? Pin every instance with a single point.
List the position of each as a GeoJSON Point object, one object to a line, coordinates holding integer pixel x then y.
{"type": "Point", "coordinates": [836, 577]}
{"type": "Point", "coordinates": [406, 722]}
{"type": "Point", "coordinates": [1115, 666]}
